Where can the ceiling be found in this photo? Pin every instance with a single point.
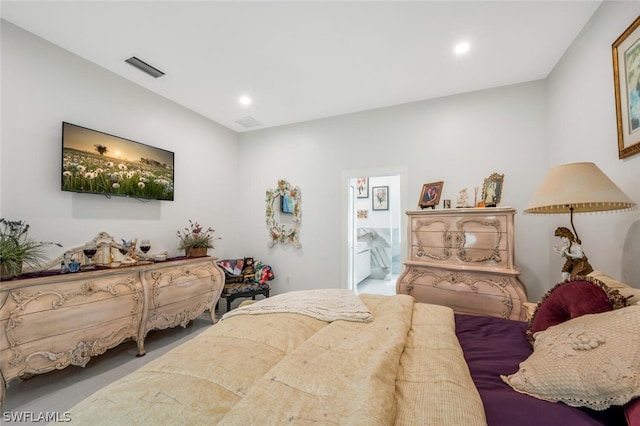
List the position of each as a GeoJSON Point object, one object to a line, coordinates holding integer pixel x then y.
{"type": "Point", "coordinates": [304, 60]}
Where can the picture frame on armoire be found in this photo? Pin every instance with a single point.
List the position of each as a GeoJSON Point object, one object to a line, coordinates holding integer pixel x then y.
{"type": "Point", "coordinates": [626, 77]}
{"type": "Point", "coordinates": [492, 190]}
{"type": "Point", "coordinates": [430, 195]}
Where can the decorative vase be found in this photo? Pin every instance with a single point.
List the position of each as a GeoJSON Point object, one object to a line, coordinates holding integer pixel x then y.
{"type": "Point", "coordinates": [195, 251]}
{"type": "Point", "coordinates": [5, 275]}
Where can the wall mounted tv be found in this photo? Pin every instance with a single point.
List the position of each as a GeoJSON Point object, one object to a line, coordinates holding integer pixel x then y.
{"type": "Point", "coordinates": [98, 163]}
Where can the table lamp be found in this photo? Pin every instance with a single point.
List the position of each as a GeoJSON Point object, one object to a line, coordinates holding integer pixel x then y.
{"type": "Point", "coordinates": [579, 188]}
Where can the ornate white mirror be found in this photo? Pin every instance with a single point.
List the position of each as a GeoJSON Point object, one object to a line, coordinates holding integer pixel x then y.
{"type": "Point", "coordinates": [284, 214]}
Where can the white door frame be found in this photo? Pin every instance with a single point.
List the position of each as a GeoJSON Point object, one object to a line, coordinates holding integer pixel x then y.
{"type": "Point", "coordinates": [348, 215]}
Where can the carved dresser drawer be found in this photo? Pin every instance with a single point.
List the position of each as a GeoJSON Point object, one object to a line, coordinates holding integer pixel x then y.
{"type": "Point", "coordinates": [181, 292]}
{"type": "Point", "coordinates": [464, 259]}
{"type": "Point", "coordinates": [50, 323]}
{"type": "Point", "coordinates": [445, 239]}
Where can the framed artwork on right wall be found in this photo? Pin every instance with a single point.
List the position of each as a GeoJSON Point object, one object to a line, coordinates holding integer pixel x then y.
{"type": "Point", "coordinates": [626, 78]}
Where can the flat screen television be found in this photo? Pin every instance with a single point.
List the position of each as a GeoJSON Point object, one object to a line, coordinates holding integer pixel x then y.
{"type": "Point", "coordinates": [99, 163]}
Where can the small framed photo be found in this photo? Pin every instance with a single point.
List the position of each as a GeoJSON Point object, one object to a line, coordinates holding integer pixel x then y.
{"type": "Point", "coordinates": [362, 188]}
{"type": "Point", "coordinates": [492, 190]}
{"type": "Point", "coordinates": [430, 196]}
{"type": "Point", "coordinates": [363, 214]}
{"type": "Point", "coordinates": [626, 79]}
{"type": "Point", "coordinates": [380, 195]}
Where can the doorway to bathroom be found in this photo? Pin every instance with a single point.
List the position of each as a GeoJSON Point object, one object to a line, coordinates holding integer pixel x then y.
{"type": "Point", "coordinates": [375, 231]}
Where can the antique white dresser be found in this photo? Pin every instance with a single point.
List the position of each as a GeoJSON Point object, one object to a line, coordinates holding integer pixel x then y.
{"type": "Point", "coordinates": [464, 259]}
{"type": "Point", "coordinates": [57, 320]}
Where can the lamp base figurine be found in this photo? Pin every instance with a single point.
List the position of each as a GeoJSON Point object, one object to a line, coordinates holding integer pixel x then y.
{"type": "Point", "coordinates": [576, 262]}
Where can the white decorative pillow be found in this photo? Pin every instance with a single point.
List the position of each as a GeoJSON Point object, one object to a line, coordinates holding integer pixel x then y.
{"type": "Point", "coordinates": [589, 361]}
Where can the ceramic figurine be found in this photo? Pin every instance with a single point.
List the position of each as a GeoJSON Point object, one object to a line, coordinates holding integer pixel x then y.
{"type": "Point", "coordinates": [132, 248]}
{"type": "Point", "coordinates": [577, 262]}
{"type": "Point", "coordinates": [462, 198]}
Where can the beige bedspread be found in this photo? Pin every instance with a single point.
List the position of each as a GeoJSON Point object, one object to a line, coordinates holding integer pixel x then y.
{"type": "Point", "coordinates": [404, 367]}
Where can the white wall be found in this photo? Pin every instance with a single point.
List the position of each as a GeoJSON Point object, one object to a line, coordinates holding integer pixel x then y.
{"type": "Point", "coordinates": [221, 177]}
{"type": "Point", "coordinates": [43, 85]}
{"type": "Point", "coordinates": [582, 127]}
{"type": "Point", "coordinates": [460, 140]}
{"type": "Point", "coordinates": [521, 131]}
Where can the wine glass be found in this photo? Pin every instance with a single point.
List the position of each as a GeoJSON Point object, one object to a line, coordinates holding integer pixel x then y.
{"type": "Point", "coordinates": [145, 246]}
{"type": "Point", "coordinates": [90, 250]}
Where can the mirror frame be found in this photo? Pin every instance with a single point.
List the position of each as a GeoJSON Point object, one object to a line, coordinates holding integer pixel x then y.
{"type": "Point", "coordinates": [279, 233]}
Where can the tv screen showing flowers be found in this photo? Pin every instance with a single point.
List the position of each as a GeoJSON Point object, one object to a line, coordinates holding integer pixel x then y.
{"type": "Point", "coordinates": [99, 163]}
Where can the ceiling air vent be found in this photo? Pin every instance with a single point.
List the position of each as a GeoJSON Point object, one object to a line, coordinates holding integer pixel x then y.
{"type": "Point", "coordinates": [248, 122]}
{"type": "Point", "coordinates": [143, 66]}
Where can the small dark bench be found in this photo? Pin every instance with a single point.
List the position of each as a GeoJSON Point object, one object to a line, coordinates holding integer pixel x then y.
{"type": "Point", "coordinates": [237, 286]}
{"type": "Point", "coordinates": [230, 297]}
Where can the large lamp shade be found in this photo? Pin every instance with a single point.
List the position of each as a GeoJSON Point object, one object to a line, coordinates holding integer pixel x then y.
{"type": "Point", "coordinates": [579, 188]}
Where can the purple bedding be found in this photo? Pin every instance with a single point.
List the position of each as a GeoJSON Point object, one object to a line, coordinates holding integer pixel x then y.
{"type": "Point", "coordinates": [495, 346]}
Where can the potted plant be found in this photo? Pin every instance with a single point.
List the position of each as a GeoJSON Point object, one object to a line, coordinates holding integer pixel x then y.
{"type": "Point", "coordinates": [195, 240]}
{"type": "Point", "coordinates": [17, 249]}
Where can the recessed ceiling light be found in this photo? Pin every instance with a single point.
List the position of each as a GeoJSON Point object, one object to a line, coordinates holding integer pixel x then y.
{"type": "Point", "coordinates": [461, 48]}
{"type": "Point", "coordinates": [245, 100]}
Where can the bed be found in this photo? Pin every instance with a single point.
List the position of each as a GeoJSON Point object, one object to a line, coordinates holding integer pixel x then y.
{"type": "Point", "coordinates": [330, 357]}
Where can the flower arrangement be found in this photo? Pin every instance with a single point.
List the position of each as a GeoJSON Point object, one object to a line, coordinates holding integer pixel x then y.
{"type": "Point", "coordinates": [16, 248]}
{"type": "Point", "coordinates": [196, 237]}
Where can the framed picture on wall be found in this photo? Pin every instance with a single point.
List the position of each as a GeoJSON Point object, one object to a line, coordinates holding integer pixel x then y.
{"type": "Point", "coordinates": [430, 195]}
{"type": "Point", "coordinates": [626, 78]}
{"type": "Point", "coordinates": [380, 197]}
{"type": "Point", "coordinates": [362, 188]}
